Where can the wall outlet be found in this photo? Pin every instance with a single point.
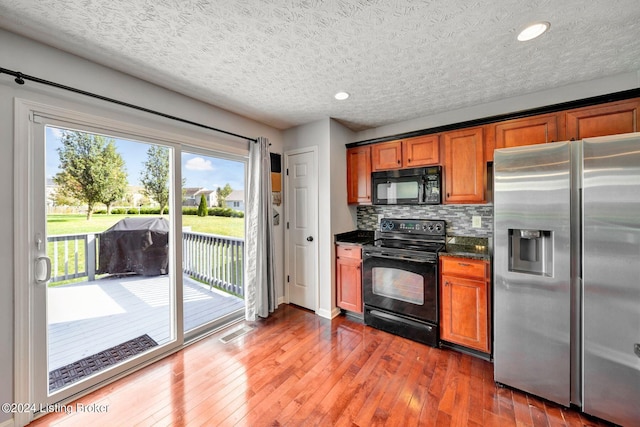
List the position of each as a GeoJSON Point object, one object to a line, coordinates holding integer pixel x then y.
{"type": "Point", "coordinates": [476, 221]}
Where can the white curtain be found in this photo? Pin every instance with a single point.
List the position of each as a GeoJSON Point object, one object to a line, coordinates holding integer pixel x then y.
{"type": "Point", "coordinates": [260, 295]}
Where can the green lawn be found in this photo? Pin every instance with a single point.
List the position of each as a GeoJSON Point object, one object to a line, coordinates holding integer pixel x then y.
{"type": "Point", "coordinates": [77, 223]}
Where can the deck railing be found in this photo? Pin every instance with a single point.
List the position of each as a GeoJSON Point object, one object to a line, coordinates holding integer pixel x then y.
{"type": "Point", "coordinates": [73, 256]}
{"type": "Point", "coordinates": [215, 260]}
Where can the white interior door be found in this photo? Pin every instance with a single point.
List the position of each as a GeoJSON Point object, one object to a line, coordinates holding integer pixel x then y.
{"type": "Point", "coordinates": [302, 228]}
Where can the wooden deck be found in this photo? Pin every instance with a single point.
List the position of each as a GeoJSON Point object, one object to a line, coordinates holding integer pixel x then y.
{"type": "Point", "coordinates": [89, 317]}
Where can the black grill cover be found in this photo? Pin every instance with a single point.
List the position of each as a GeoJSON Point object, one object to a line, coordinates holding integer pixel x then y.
{"type": "Point", "coordinates": [135, 245]}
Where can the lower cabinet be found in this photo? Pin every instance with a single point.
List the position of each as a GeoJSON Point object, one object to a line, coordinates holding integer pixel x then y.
{"type": "Point", "coordinates": [349, 277]}
{"type": "Point", "coordinates": [465, 303]}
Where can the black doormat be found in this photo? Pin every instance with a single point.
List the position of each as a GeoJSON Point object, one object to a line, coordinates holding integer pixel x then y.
{"type": "Point", "coordinates": [75, 371]}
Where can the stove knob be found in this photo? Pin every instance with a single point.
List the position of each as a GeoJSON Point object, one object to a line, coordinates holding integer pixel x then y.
{"type": "Point", "coordinates": [438, 227]}
{"type": "Point", "coordinates": [430, 227]}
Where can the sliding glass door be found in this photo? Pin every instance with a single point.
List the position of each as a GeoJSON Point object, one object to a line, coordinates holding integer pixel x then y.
{"type": "Point", "coordinates": [105, 287]}
{"type": "Point", "coordinates": [212, 239]}
{"type": "Point", "coordinates": [130, 246]}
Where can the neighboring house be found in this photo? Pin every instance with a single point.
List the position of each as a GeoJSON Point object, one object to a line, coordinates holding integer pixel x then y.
{"type": "Point", "coordinates": [50, 194]}
{"type": "Point", "coordinates": [192, 195]}
{"type": "Point", "coordinates": [235, 200]}
{"type": "Point", "coordinates": [136, 194]}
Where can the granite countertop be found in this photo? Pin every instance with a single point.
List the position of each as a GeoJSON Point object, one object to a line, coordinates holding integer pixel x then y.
{"type": "Point", "coordinates": [464, 247]}
{"type": "Point", "coordinates": [355, 237]}
{"type": "Point", "coordinates": [468, 247]}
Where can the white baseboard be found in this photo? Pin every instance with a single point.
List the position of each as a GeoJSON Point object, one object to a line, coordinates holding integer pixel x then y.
{"type": "Point", "coordinates": [335, 312]}
{"type": "Point", "coordinates": [8, 423]}
{"type": "Point", "coordinates": [328, 314]}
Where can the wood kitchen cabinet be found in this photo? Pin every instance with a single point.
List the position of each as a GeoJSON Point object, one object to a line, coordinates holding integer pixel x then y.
{"type": "Point", "coordinates": [421, 151]}
{"type": "Point", "coordinates": [464, 153]}
{"type": "Point", "coordinates": [359, 175]}
{"type": "Point", "coordinates": [527, 131]}
{"type": "Point", "coordinates": [608, 119]}
{"type": "Point", "coordinates": [349, 277]}
{"type": "Point", "coordinates": [406, 153]}
{"type": "Point", "coordinates": [386, 155]}
{"type": "Point", "coordinates": [465, 303]}
{"type": "Point", "coordinates": [464, 166]}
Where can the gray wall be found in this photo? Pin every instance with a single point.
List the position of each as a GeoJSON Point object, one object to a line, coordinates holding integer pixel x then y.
{"type": "Point", "coordinates": [32, 58]}
{"type": "Point", "coordinates": [567, 93]}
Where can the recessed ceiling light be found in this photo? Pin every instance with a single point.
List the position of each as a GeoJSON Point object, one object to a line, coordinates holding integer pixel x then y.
{"type": "Point", "coordinates": [341, 96]}
{"type": "Point", "coordinates": [533, 30]}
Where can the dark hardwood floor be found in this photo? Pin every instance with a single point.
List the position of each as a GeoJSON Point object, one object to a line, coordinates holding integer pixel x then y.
{"type": "Point", "coordinates": [296, 368]}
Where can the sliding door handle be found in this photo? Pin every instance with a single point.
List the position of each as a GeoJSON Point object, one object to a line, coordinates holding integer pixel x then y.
{"type": "Point", "coordinates": [42, 270]}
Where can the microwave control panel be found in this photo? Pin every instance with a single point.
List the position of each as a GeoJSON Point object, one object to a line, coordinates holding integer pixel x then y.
{"type": "Point", "coordinates": [432, 188]}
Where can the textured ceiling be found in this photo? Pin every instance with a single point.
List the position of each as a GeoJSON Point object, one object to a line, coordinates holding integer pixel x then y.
{"type": "Point", "coordinates": [281, 61]}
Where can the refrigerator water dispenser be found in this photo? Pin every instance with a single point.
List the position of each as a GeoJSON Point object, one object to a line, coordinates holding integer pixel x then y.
{"type": "Point", "coordinates": [531, 251]}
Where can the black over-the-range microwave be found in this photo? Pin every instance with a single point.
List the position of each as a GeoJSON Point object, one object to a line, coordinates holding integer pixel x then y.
{"type": "Point", "coordinates": [416, 186]}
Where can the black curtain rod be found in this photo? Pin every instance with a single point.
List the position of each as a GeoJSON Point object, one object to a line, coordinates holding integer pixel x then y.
{"type": "Point", "coordinates": [20, 78]}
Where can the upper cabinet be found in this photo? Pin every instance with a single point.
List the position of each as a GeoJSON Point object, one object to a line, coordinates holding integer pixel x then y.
{"type": "Point", "coordinates": [608, 119]}
{"type": "Point", "coordinates": [466, 151]}
{"type": "Point", "coordinates": [386, 155]}
{"type": "Point", "coordinates": [359, 175]}
{"type": "Point", "coordinates": [464, 166]}
{"type": "Point", "coordinates": [421, 151]}
{"type": "Point", "coordinates": [527, 131]}
{"type": "Point", "coordinates": [406, 153]}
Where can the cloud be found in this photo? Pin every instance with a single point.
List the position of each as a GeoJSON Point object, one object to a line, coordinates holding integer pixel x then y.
{"type": "Point", "coordinates": [56, 132]}
{"type": "Point", "coordinates": [198, 164]}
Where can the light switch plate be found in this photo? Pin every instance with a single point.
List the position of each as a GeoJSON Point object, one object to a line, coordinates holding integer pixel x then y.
{"type": "Point", "coordinates": [476, 221]}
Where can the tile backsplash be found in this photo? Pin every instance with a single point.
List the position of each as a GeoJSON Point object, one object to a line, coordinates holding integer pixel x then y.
{"type": "Point", "coordinates": [459, 218]}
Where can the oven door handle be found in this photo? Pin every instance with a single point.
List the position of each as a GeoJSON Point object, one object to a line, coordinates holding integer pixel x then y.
{"type": "Point", "coordinates": [397, 258]}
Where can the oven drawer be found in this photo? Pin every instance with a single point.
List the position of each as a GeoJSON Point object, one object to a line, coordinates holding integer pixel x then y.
{"type": "Point", "coordinates": [403, 326]}
{"type": "Point", "coordinates": [348, 251]}
{"type": "Point", "coordinates": [464, 267]}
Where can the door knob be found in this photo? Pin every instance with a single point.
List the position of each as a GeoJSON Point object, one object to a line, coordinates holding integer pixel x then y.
{"type": "Point", "coordinates": [310, 239]}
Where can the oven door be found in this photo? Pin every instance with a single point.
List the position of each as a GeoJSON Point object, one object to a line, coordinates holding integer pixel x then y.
{"type": "Point", "coordinates": [407, 286]}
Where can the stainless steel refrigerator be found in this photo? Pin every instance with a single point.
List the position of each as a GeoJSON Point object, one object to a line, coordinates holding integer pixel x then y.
{"type": "Point", "coordinates": [567, 273]}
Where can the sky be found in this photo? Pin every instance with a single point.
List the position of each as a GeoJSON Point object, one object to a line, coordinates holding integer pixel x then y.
{"type": "Point", "coordinates": [199, 171]}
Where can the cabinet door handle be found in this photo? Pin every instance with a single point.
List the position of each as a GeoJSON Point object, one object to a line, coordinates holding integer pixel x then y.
{"type": "Point", "coordinates": [446, 283]}
{"type": "Point", "coordinates": [398, 161]}
{"type": "Point", "coordinates": [408, 160]}
{"type": "Point", "coordinates": [464, 264]}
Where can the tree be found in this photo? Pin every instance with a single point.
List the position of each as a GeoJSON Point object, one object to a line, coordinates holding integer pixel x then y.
{"type": "Point", "coordinates": [89, 167]}
{"type": "Point", "coordinates": [203, 208]}
{"type": "Point", "coordinates": [155, 176]}
{"type": "Point", "coordinates": [222, 194]}
{"type": "Point", "coordinates": [116, 179]}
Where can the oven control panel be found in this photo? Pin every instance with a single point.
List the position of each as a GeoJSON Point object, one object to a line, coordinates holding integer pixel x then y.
{"type": "Point", "coordinates": [431, 227]}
